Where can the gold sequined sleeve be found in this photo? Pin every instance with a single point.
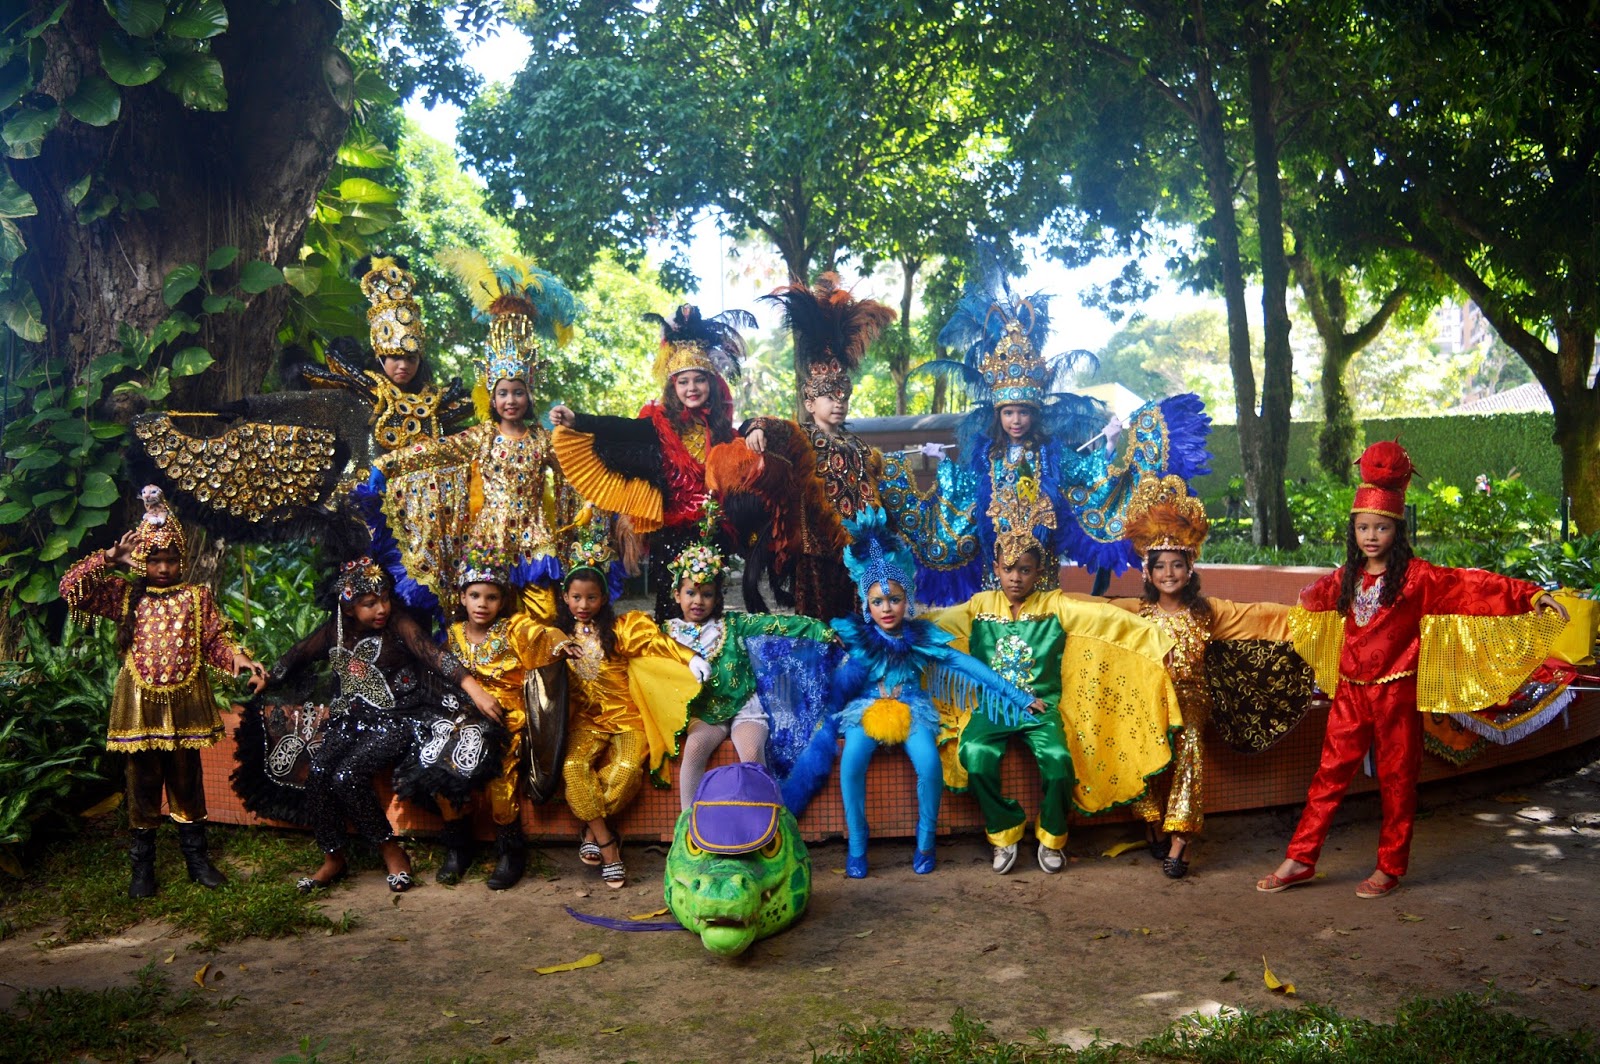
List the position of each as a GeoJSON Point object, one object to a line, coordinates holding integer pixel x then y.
{"type": "Point", "coordinates": [638, 636]}
{"type": "Point", "coordinates": [1319, 639]}
{"type": "Point", "coordinates": [452, 450]}
{"type": "Point", "coordinates": [1249, 620]}
{"type": "Point", "coordinates": [534, 644]}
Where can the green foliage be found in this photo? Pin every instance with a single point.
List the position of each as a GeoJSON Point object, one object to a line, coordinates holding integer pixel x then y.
{"type": "Point", "coordinates": [269, 593]}
{"type": "Point", "coordinates": [53, 706]}
{"type": "Point", "coordinates": [1453, 449]}
{"type": "Point", "coordinates": [967, 1040]}
{"type": "Point", "coordinates": [1574, 563]}
{"type": "Point", "coordinates": [1476, 527]}
{"type": "Point", "coordinates": [120, 1023]}
{"type": "Point", "coordinates": [78, 887]}
{"type": "Point", "coordinates": [1321, 509]}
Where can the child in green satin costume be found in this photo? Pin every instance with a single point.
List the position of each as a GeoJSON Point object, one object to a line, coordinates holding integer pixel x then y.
{"type": "Point", "coordinates": [1082, 660]}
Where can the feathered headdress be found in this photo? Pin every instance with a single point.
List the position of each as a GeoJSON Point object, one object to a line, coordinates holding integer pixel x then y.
{"type": "Point", "coordinates": [1162, 515]}
{"type": "Point", "coordinates": [158, 529]}
{"type": "Point", "coordinates": [1385, 475]}
{"type": "Point", "coordinates": [690, 341]}
{"type": "Point", "coordinates": [523, 306]}
{"type": "Point", "coordinates": [877, 556]}
{"type": "Point", "coordinates": [1001, 339]}
{"type": "Point", "coordinates": [394, 320]}
{"type": "Point", "coordinates": [832, 331]}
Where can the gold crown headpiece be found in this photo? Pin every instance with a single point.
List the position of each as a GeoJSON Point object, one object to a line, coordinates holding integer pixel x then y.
{"type": "Point", "coordinates": [1162, 515]}
{"type": "Point", "coordinates": [522, 305]}
{"type": "Point", "coordinates": [394, 320]}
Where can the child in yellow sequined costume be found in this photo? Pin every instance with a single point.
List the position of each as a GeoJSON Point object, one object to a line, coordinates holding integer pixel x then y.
{"type": "Point", "coordinates": [500, 651]}
{"type": "Point", "coordinates": [163, 712]}
{"type": "Point", "coordinates": [609, 741]}
{"type": "Point", "coordinates": [1167, 526]}
{"type": "Point", "coordinates": [497, 485]}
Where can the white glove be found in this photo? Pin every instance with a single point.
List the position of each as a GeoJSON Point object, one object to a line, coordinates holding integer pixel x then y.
{"type": "Point", "coordinates": [1112, 430]}
{"type": "Point", "coordinates": [932, 450]}
{"type": "Point", "coordinates": [700, 668]}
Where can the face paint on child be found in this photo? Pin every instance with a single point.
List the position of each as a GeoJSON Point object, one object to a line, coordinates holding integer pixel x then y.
{"type": "Point", "coordinates": [697, 601]}
{"type": "Point", "coordinates": [887, 606]}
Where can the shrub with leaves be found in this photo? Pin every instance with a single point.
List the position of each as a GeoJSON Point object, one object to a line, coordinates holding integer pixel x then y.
{"type": "Point", "coordinates": [53, 706]}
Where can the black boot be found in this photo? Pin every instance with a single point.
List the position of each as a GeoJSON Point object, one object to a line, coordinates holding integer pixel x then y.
{"type": "Point", "coordinates": [142, 851]}
{"type": "Point", "coordinates": [457, 839]}
{"type": "Point", "coordinates": [192, 841]}
{"type": "Point", "coordinates": [513, 858]}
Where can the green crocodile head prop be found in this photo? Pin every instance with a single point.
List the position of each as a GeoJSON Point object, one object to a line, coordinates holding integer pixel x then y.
{"type": "Point", "coordinates": [738, 870]}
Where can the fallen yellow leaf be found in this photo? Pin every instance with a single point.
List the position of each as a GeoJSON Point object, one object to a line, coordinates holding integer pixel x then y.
{"type": "Point", "coordinates": [837, 871]}
{"type": "Point", "coordinates": [1510, 798]}
{"type": "Point", "coordinates": [1411, 918]}
{"type": "Point", "coordinates": [103, 806]}
{"type": "Point", "coordinates": [450, 1013]}
{"type": "Point", "coordinates": [200, 976]}
{"type": "Point", "coordinates": [829, 968]}
{"type": "Point", "coordinates": [650, 916]}
{"type": "Point", "coordinates": [1272, 981]}
{"type": "Point", "coordinates": [171, 957]}
{"type": "Point", "coordinates": [1121, 848]}
{"type": "Point", "coordinates": [864, 934]}
{"type": "Point", "coordinates": [571, 966]}
{"type": "Point", "coordinates": [499, 1039]}
{"type": "Point", "coordinates": [609, 1030]}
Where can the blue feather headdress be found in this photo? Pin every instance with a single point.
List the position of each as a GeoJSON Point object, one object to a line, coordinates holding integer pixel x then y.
{"type": "Point", "coordinates": [1001, 339]}
{"type": "Point", "coordinates": [876, 556]}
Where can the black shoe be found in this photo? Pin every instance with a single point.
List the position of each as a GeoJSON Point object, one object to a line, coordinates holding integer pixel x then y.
{"type": "Point", "coordinates": [457, 839]}
{"type": "Point", "coordinates": [192, 841]}
{"type": "Point", "coordinates": [1177, 867]}
{"type": "Point", "coordinates": [513, 858]}
{"type": "Point", "coordinates": [142, 852]}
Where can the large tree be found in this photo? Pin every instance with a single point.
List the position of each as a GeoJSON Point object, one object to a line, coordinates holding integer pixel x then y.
{"type": "Point", "coordinates": [1151, 114]}
{"type": "Point", "coordinates": [1467, 135]}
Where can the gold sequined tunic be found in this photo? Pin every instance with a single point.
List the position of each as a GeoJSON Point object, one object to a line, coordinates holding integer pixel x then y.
{"type": "Point", "coordinates": [1192, 633]}
{"type": "Point", "coordinates": [163, 697]}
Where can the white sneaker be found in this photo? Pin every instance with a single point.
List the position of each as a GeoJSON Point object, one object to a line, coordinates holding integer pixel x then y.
{"type": "Point", "coordinates": [1004, 858]}
{"type": "Point", "coordinates": [1051, 859]}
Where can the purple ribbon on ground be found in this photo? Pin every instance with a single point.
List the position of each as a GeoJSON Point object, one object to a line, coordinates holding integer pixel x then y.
{"type": "Point", "coordinates": [615, 924]}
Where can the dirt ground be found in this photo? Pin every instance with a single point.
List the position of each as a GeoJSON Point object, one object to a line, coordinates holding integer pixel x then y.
{"type": "Point", "coordinates": [1501, 895]}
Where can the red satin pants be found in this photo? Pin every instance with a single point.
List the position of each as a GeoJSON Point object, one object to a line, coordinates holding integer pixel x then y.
{"type": "Point", "coordinates": [1383, 718]}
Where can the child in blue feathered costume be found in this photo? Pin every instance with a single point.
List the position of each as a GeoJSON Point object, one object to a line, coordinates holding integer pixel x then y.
{"type": "Point", "coordinates": [1032, 454]}
{"type": "Point", "coordinates": [896, 666]}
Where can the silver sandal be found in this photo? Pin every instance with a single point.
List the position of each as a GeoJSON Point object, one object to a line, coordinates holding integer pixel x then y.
{"type": "Point", "coordinates": [614, 873]}
{"type": "Point", "coordinates": [399, 882]}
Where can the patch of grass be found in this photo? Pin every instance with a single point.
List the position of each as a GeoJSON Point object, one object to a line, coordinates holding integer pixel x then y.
{"type": "Point", "coordinates": [78, 888]}
{"type": "Point", "coordinates": [1425, 1031]}
{"type": "Point", "coordinates": [119, 1023]}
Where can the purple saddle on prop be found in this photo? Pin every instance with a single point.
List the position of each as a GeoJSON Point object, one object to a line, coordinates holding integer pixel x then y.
{"type": "Point", "coordinates": [735, 809]}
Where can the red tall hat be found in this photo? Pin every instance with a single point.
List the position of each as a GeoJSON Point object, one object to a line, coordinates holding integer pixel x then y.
{"type": "Point", "coordinates": [1385, 474]}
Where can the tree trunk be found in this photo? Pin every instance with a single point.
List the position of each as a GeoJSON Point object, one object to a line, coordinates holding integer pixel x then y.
{"type": "Point", "coordinates": [797, 260]}
{"type": "Point", "coordinates": [900, 368]}
{"type": "Point", "coordinates": [1274, 525]}
{"type": "Point", "coordinates": [1577, 417]}
{"type": "Point", "coordinates": [246, 177]}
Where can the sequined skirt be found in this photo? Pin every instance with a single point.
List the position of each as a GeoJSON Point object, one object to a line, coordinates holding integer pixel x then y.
{"type": "Point", "coordinates": [185, 719]}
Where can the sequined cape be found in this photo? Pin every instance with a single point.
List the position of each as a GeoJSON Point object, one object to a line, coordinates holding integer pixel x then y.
{"type": "Point", "coordinates": [604, 693]}
{"type": "Point", "coordinates": [952, 527]}
{"type": "Point", "coordinates": [475, 488]}
{"type": "Point", "coordinates": [733, 680]}
{"type": "Point", "coordinates": [1118, 705]}
{"type": "Point", "coordinates": [162, 699]}
{"type": "Point", "coordinates": [1467, 635]}
{"type": "Point", "coordinates": [512, 647]}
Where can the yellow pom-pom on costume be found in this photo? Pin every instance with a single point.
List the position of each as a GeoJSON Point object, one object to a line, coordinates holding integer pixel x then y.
{"type": "Point", "coordinates": [887, 720]}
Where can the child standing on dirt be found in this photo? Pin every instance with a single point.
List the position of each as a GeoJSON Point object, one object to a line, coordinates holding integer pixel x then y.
{"type": "Point", "coordinates": [1362, 628]}
{"type": "Point", "coordinates": [1167, 527]}
{"type": "Point", "coordinates": [1028, 636]}
{"type": "Point", "coordinates": [163, 713]}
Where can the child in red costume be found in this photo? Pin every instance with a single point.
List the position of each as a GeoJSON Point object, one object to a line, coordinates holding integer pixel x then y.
{"type": "Point", "coordinates": [1389, 634]}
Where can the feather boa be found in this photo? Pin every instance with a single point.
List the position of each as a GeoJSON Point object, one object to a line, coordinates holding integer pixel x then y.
{"type": "Point", "coordinates": [684, 499]}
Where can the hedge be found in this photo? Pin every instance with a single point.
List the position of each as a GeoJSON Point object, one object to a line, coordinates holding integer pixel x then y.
{"type": "Point", "coordinates": [1455, 447]}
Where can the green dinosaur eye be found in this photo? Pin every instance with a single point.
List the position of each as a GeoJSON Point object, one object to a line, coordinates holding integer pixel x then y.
{"type": "Point", "coordinates": [688, 844]}
{"type": "Point", "coordinates": [773, 847]}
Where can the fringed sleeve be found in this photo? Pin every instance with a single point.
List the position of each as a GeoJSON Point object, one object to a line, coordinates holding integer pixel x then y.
{"type": "Point", "coordinates": [92, 589]}
{"type": "Point", "coordinates": [966, 685]}
{"type": "Point", "coordinates": [597, 472]}
{"type": "Point", "coordinates": [1467, 663]}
